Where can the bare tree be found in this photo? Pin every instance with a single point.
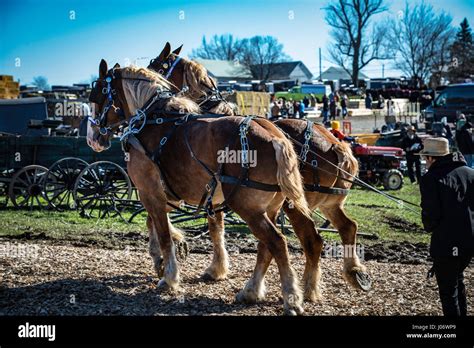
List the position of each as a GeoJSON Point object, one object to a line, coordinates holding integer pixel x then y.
{"type": "Point", "coordinates": [222, 47]}
{"type": "Point", "coordinates": [41, 83]}
{"type": "Point", "coordinates": [260, 54]}
{"type": "Point", "coordinates": [356, 42]}
{"type": "Point", "coordinates": [420, 39]}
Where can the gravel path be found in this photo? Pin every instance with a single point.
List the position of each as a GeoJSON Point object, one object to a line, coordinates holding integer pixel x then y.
{"type": "Point", "coordinates": [42, 279]}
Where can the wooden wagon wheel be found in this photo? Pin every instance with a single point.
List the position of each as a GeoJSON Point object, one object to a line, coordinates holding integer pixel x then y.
{"type": "Point", "coordinates": [26, 187]}
{"type": "Point", "coordinates": [59, 182]}
{"type": "Point", "coordinates": [98, 187]}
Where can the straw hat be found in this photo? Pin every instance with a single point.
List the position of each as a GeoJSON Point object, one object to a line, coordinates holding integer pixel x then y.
{"type": "Point", "coordinates": [435, 147]}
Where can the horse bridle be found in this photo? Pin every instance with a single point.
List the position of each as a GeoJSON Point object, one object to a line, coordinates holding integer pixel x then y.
{"type": "Point", "coordinates": [110, 93]}
{"type": "Point", "coordinates": [166, 67]}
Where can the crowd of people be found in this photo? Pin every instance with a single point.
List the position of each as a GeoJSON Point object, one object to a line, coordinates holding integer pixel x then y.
{"type": "Point", "coordinates": [281, 108]}
{"type": "Point", "coordinates": [333, 106]}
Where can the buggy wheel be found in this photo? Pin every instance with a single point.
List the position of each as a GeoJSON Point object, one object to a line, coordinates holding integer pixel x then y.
{"type": "Point", "coordinates": [26, 187]}
{"type": "Point", "coordinates": [60, 180]}
{"type": "Point", "coordinates": [99, 186]}
{"type": "Point", "coordinates": [392, 180]}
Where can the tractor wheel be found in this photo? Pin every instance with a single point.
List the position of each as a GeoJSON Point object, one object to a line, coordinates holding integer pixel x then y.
{"type": "Point", "coordinates": [393, 180]}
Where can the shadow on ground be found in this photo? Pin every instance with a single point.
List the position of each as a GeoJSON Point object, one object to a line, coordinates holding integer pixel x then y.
{"type": "Point", "coordinates": [120, 295]}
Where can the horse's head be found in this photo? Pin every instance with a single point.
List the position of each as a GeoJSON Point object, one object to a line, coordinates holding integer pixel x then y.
{"type": "Point", "coordinates": [109, 112]}
{"type": "Point", "coordinates": [120, 93]}
{"type": "Point", "coordinates": [167, 64]}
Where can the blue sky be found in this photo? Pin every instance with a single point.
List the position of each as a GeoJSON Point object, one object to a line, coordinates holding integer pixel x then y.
{"type": "Point", "coordinates": [44, 38]}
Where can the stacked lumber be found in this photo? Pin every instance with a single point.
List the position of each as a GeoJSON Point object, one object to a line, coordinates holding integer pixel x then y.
{"type": "Point", "coordinates": [9, 89]}
{"type": "Point", "coordinates": [251, 103]}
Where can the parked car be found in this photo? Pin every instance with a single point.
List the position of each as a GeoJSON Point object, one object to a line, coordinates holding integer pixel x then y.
{"type": "Point", "coordinates": [453, 100]}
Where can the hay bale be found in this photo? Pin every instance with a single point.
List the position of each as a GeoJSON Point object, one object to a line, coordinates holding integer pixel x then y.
{"type": "Point", "coordinates": [6, 78]}
{"type": "Point", "coordinates": [251, 103]}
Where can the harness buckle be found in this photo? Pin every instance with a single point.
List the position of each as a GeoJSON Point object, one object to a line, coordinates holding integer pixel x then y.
{"type": "Point", "coordinates": [103, 130]}
{"type": "Point", "coordinates": [159, 121]}
{"type": "Point", "coordinates": [163, 141]}
{"type": "Point", "coordinates": [182, 120]}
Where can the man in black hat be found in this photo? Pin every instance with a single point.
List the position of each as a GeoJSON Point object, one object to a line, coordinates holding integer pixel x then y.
{"type": "Point", "coordinates": [447, 202]}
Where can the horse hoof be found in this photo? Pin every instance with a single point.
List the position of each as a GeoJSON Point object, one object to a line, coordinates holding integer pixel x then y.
{"type": "Point", "coordinates": [294, 311]}
{"type": "Point", "coordinates": [211, 275]}
{"type": "Point", "coordinates": [207, 277]}
{"type": "Point", "coordinates": [363, 280]}
{"type": "Point", "coordinates": [163, 285]}
{"type": "Point", "coordinates": [312, 295]}
{"type": "Point", "coordinates": [246, 297]}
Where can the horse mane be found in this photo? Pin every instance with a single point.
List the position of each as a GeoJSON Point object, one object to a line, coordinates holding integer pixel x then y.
{"type": "Point", "coordinates": [139, 92]}
{"type": "Point", "coordinates": [197, 79]}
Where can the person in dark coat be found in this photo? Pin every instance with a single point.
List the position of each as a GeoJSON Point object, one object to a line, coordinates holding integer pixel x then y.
{"type": "Point", "coordinates": [325, 108]}
{"type": "Point", "coordinates": [412, 144]}
{"type": "Point", "coordinates": [332, 106]}
{"type": "Point", "coordinates": [368, 101]}
{"type": "Point", "coordinates": [447, 202]}
{"type": "Point", "coordinates": [447, 133]}
{"type": "Point", "coordinates": [465, 142]}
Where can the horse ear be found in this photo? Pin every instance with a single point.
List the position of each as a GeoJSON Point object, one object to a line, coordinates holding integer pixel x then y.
{"type": "Point", "coordinates": [103, 69]}
{"type": "Point", "coordinates": [165, 52]}
{"type": "Point", "coordinates": [176, 51]}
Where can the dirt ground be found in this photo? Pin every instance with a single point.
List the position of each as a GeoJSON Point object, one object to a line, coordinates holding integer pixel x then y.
{"type": "Point", "coordinates": [41, 279]}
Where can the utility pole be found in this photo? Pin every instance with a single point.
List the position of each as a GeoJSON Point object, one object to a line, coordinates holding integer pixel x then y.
{"type": "Point", "coordinates": [383, 70]}
{"type": "Point", "coordinates": [320, 71]}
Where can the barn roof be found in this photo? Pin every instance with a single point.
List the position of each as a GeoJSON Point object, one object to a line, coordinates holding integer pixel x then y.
{"type": "Point", "coordinates": [282, 71]}
{"type": "Point", "coordinates": [338, 73]}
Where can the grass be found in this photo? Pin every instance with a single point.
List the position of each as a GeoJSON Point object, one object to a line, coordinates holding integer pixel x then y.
{"type": "Point", "coordinates": [388, 220]}
{"type": "Point", "coordinates": [373, 213]}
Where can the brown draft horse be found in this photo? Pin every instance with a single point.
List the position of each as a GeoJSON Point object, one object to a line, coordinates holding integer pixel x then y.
{"type": "Point", "coordinates": [123, 93]}
{"type": "Point", "coordinates": [192, 79]}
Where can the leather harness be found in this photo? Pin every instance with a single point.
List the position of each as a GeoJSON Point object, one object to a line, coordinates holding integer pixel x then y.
{"type": "Point", "coordinates": [152, 114]}
{"type": "Point", "coordinates": [213, 98]}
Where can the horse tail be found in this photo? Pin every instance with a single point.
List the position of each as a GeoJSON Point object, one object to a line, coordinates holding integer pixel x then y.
{"type": "Point", "coordinates": [288, 174]}
{"type": "Point", "coordinates": [347, 162]}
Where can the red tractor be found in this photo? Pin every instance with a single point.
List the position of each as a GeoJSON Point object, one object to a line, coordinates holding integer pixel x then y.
{"type": "Point", "coordinates": [379, 165]}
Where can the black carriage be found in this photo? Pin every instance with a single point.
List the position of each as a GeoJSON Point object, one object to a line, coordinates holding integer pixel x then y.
{"type": "Point", "coordinates": [44, 171]}
{"type": "Point", "coordinates": [40, 170]}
